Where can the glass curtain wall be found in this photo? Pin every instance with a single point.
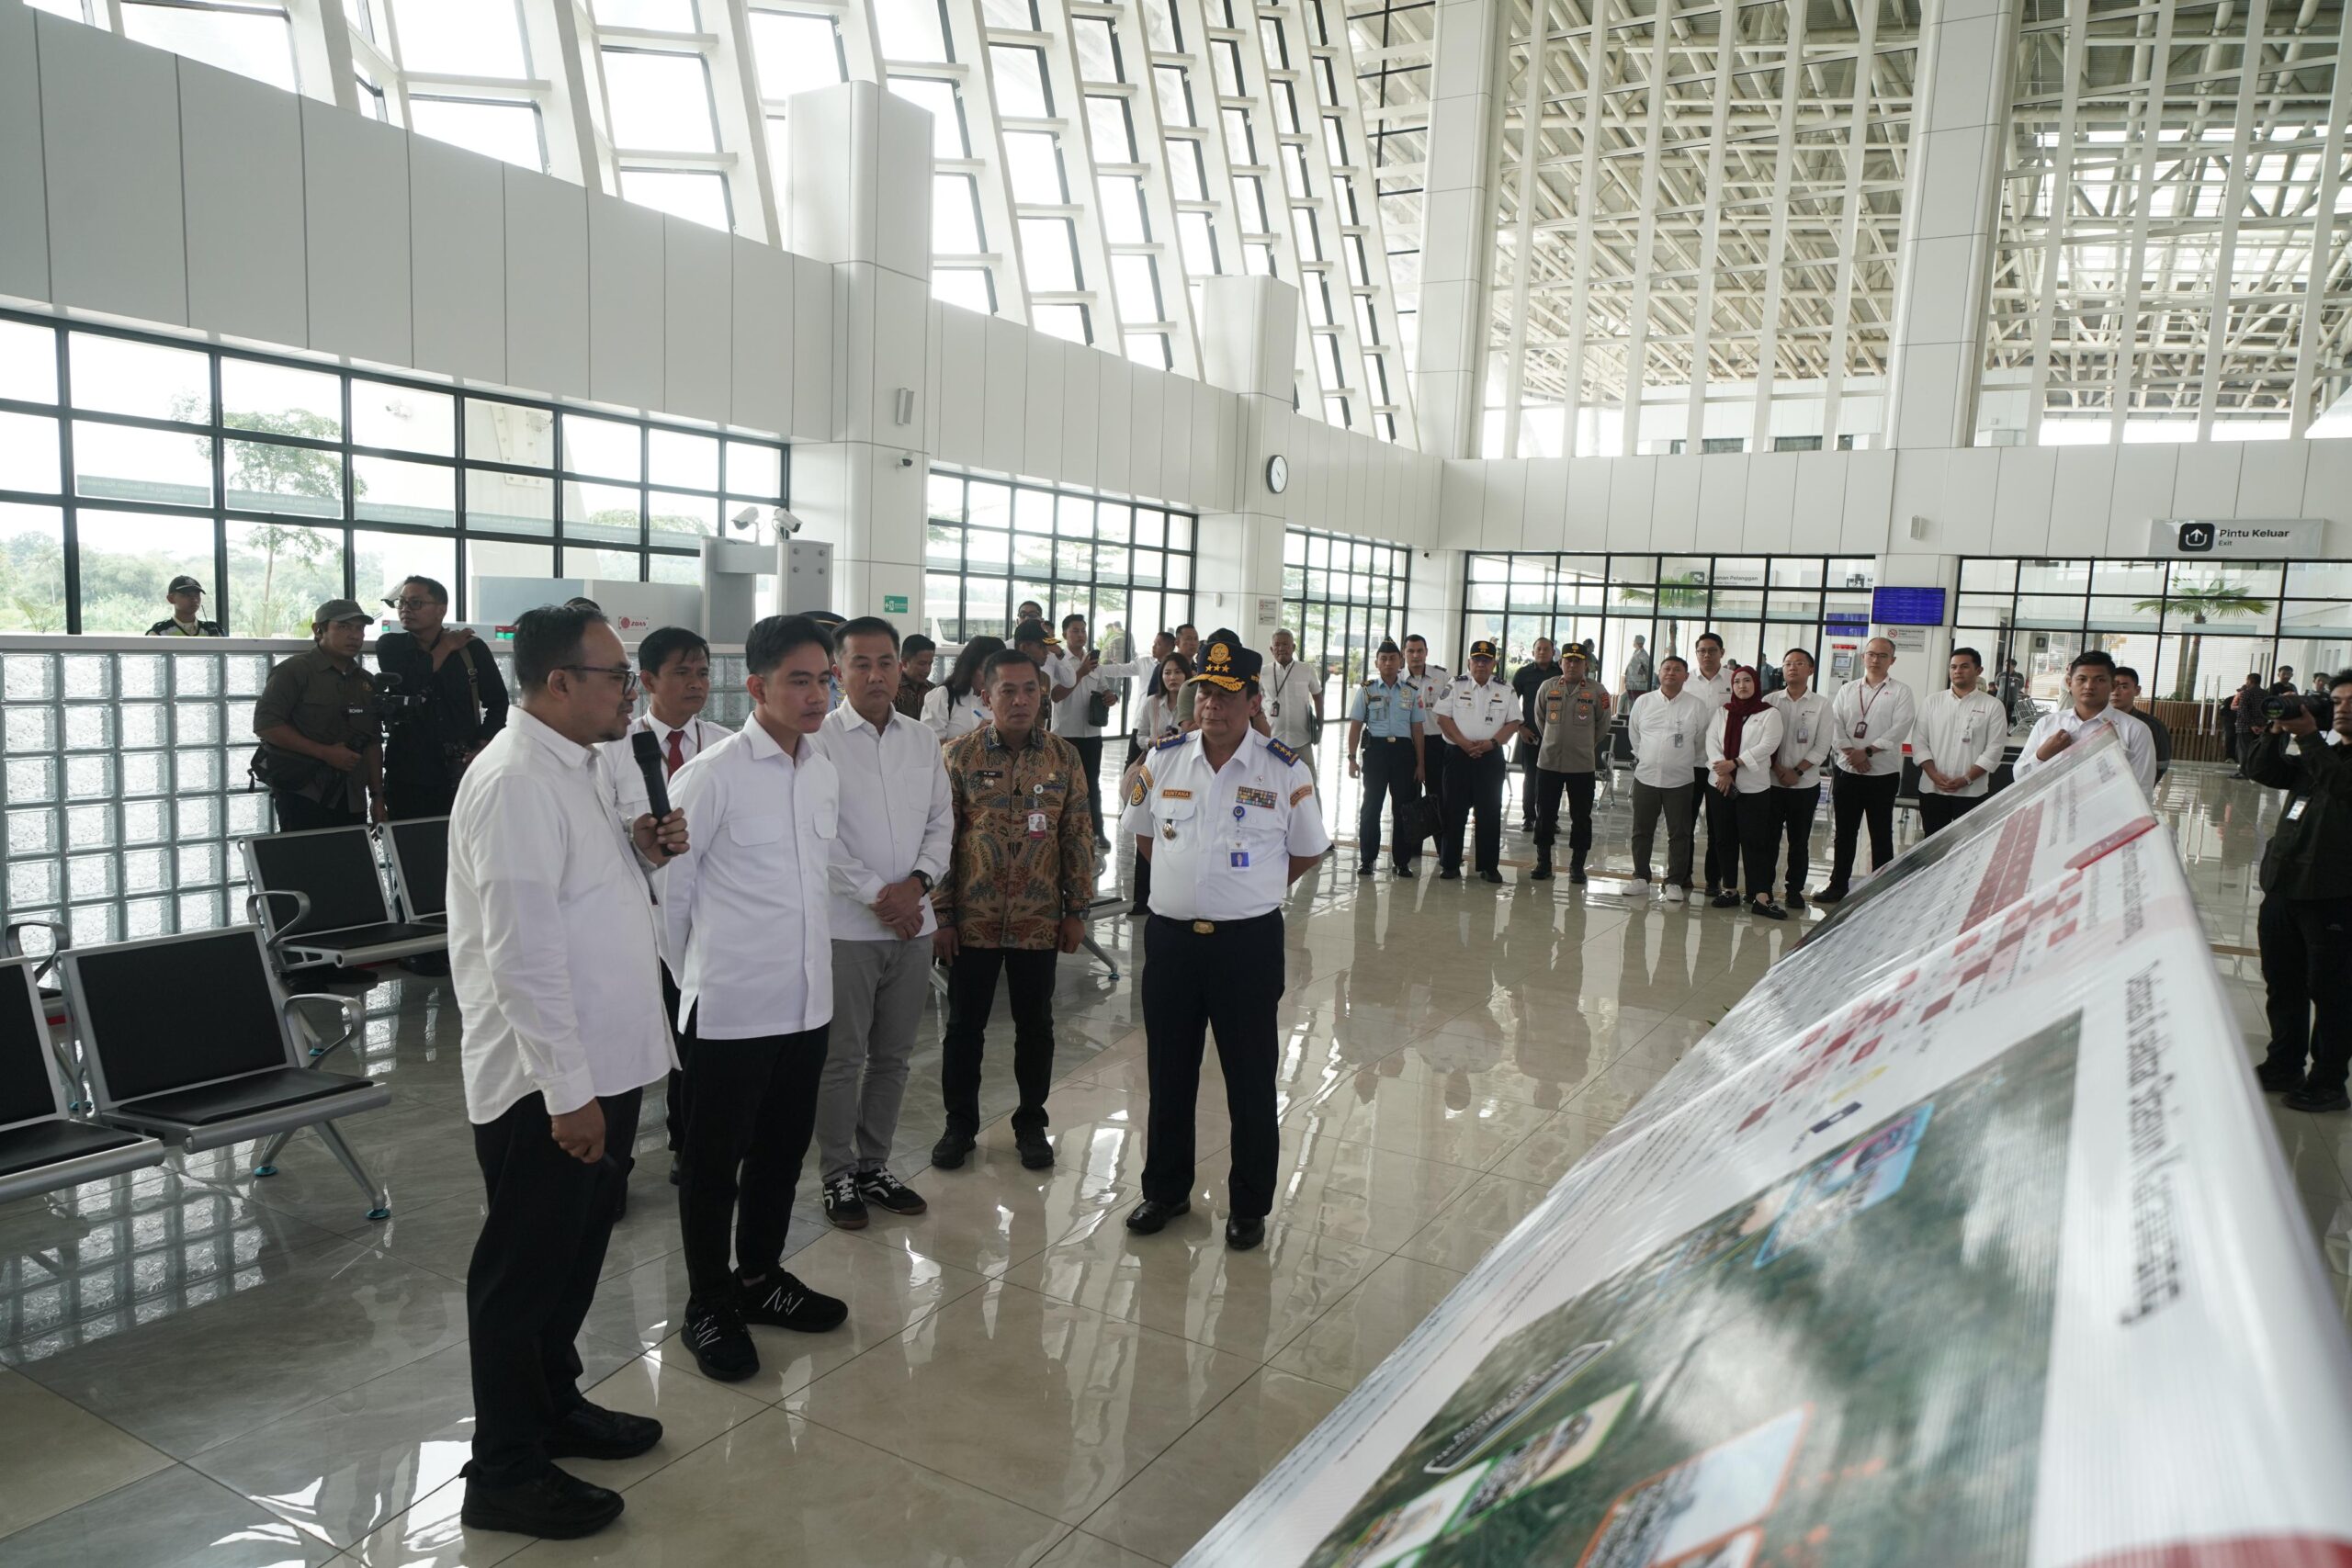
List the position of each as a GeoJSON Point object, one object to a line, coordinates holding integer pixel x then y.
{"type": "Point", "coordinates": [1341, 596]}
{"type": "Point", "coordinates": [1394, 61]}
{"type": "Point", "coordinates": [126, 459]}
{"type": "Point", "coordinates": [1760, 606]}
{"type": "Point", "coordinates": [2193, 629]}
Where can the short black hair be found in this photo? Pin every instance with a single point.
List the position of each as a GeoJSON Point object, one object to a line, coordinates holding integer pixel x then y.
{"type": "Point", "coordinates": [1706, 638]}
{"type": "Point", "coordinates": [917, 643]}
{"type": "Point", "coordinates": [440, 593]}
{"type": "Point", "coordinates": [1004, 657]}
{"type": "Point", "coordinates": [865, 625]}
{"type": "Point", "coordinates": [2341, 678]}
{"type": "Point", "coordinates": [1415, 637]}
{"type": "Point", "coordinates": [547, 638]}
{"type": "Point", "coordinates": [2096, 659]}
{"type": "Point", "coordinates": [1974, 656]}
{"type": "Point", "coordinates": [664, 643]}
{"type": "Point", "coordinates": [1674, 658]}
{"type": "Point", "coordinates": [1183, 627]}
{"type": "Point", "coordinates": [774, 638]}
{"type": "Point", "coordinates": [2124, 671]}
{"type": "Point", "coordinates": [1809, 659]}
{"type": "Point", "coordinates": [1073, 618]}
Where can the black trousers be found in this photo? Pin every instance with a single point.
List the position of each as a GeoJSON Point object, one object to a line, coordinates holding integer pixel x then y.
{"type": "Point", "coordinates": [674, 1107]}
{"type": "Point", "coordinates": [751, 1111]}
{"type": "Point", "coordinates": [1578, 788]}
{"type": "Point", "coordinates": [299, 813]}
{"type": "Point", "coordinates": [1940, 811]}
{"type": "Point", "coordinates": [1756, 822]}
{"type": "Point", "coordinates": [1473, 784]}
{"type": "Point", "coordinates": [533, 1274]}
{"type": "Point", "coordinates": [1793, 809]}
{"type": "Point", "coordinates": [1530, 783]}
{"type": "Point", "coordinates": [1090, 766]}
{"type": "Point", "coordinates": [1437, 769]}
{"type": "Point", "coordinates": [971, 994]}
{"type": "Point", "coordinates": [2306, 969]}
{"type": "Point", "coordinates": [1719, 862]}
{"type": "Point", "coordinates": [1852, 797]}
{"type": "Point", "coordinates": [1388, 776]}
{"type": "Point", "coordinates": [1229, 979]}
{"type": "Point", "coordinates": [417, 781]}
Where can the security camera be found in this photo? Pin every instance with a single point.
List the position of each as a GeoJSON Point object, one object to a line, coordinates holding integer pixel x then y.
{"type": "Point", "coordinates": [746, 518]}
{"type": "Point", "coordinates": [786, 525]}
{"type": "Point", "coordinates": [906, 462]}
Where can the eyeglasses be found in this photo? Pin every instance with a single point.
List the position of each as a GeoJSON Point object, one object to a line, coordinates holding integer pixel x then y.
{"type": "Point", "coordinates": [411, 604]}
{"type": "Point", "coordinates": [623, 673]}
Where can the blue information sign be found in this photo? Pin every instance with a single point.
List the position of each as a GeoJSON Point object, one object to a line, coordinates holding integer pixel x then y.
{"type": "Point", "coordinates": [1908, 606]}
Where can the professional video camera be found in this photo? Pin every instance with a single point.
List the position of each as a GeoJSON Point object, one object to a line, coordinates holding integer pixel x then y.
{"type": "Point", "coordinates": [2279, 707]}
{"type": "Point", "coordinates": [392, 704]}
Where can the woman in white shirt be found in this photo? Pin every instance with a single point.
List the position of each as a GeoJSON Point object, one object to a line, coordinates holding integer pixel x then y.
{"type": "Point", "coordinates": [1742, 738]}
{"type": "Point", "coordinates": [955, 706]}
{"type": "Point", "coordinates": [1156, 721]}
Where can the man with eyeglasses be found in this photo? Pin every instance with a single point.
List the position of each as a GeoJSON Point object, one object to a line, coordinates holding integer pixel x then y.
{"type": "Point", "coordinates": [464, 701]}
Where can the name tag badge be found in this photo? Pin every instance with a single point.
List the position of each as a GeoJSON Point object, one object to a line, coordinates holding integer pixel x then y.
{"type": "Point", "coordinates": [2295, 809]}
{"type": "Point", "coordinates": [1274, 710]}
{"type": "Point", "coordinates": [1805, 734]}
{"type": "Point", "coordinates": [1036, 824]}
{"type": "Point", "coordinates": [1677, 740]}
{"type": "Point", "coordinates": [1239, 860]}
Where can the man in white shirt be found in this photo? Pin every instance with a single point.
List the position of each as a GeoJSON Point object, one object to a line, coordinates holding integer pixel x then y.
{"type": "Point", "coordinates": [1080, 678]}
{"type": "Point", "coordinates": [674, 668]}
{"type": "Point", "coordinates": [1960, 735]}
{"type": "Point", "coordinates": [747, 928]}
{"type": "Point", "coordinates": [1293, 701]}
{"type": "Point", "coordinates": [2090, 682]}
{"type": "Point", "coordinates": [1479, 715]}
{"type": "Point", "coordinates": [1711, 683]}
{"type": "Point", "coordinates": [898, 824]}
{"type": "Point", "coordinates": [1868, 721]}
{"type": "Point", "coordinates": [1429, 682]}
{"type": "Point", "coordinates": [1666, 728]}
{"type": "Point", "coordinates": [1797, 767]}
{"type": "Point", "coordinates": [553, 958]}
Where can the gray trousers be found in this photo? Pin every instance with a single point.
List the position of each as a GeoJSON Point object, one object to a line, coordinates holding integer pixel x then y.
{"type": "Point", "coordinates": [878, 993]}
{"type": "Point", "coordinates": [1677, 803]}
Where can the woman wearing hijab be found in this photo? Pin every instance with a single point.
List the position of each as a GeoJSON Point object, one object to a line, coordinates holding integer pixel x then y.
{"type": "Point", "coordinates": [957, 706]}
{"type": "Point", "coordinates": [1741, 740]}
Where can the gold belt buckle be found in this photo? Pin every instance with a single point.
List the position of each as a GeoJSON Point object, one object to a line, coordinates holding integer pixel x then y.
{"type": "Point", "coordinates": [1203, 928]}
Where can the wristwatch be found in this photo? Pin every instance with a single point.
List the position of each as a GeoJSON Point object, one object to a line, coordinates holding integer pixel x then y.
{"type": "Point", "coordinates": [924, 877]}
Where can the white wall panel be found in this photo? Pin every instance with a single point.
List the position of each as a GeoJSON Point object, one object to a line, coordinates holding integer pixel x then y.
{"type": "Point", "coordinates": [933, 310]}
{"type": "Point", "coordinates": [1213, 411]}
{"type": "Point", "coordinates": [2270, 478]}
{"type": "Point", "coordinates": [2143, 492]}
{"type": "Point", "coordinates": [624, 298]}
{"type": "Point", "coordinates": [1793, 498]}
{"type": "Point", "coordinates": [24, 189]}
{"type": "Point", "coordinates": [355, 185]}
{"type": "Point", "coordinates": [2078, 491]}
{"type": "Point", "coordinates": [1722, 502]}
{"type": "Point", "coordinates": [698, 320]}
{"type": "Point", "coordinates": [2023, 477]}
{"type": "Point", "coordinates": [1176, 439]}
{"type": "Point", "coordinates": [1587, 525]}
{"type": "Point", "coordinates": [2327, 491]}
{"type": "Point", "coordinates": [1081, 412]}
{"type": "Point", "coordinates": [1114, 383]}
{"type": "Point", "coordinates": [547, 285]}
{"type": "Point", "coordinates": [1632, 484]}
{"type": "Point", "coordinates": [1145, 429]}
{"type": "Point", "coordinates": [110, 143]}
{"type": "Point", "coordinates": [456, 205]}
{"type": "Point", "coordinates": [962, 375]}
{"type": "Point", "coordinates": [1041, 436]}
{"type": "Point", "coordinates": [2206, 482]}
{"type": "Point", "coordinates": [1674, 502]}
{"type": "Point", "coordinates": [1462, 501]}
{"type": "Point", "coordinates": [241, 155]}
{"type": "Point", "coordinates": [1919, 492]}
{"type": "Point", "coordinates": [761, 282]}
{"type": "Point", "coordinates": [900, 345]}
{"type": "Point", "coordinates": [1004, 416]}
{"type": "Point", "coordinates": [814, 413]}
{"type": "Point", "coordinates": [1869, 494]}
{"type": "Point", "coordinates": [1502, 512]}
{"type": "Point", "coordinates": [1547, 513]}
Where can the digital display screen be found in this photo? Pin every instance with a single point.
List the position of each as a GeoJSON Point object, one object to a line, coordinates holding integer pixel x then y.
{"type": "Point", "coordinates": [1908, 606]}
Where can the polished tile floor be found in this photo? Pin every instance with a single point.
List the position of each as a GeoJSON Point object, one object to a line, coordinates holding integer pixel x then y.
{"type": "Point", "coordinates": [199, 1369]}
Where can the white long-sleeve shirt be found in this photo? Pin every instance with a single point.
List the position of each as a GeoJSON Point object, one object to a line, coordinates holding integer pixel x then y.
{"type": "Point", "coordinates": [897, 817]}
{"type": "Point", "coordinates": [947, 718]}
{"type": "Point", "coordinates": [696, 736]}
{"type": "Point", "coordinates": [747, 925]}
{"type": "Point", "coordinates": [1957, 733]}
{"type": "Point", "coordinates": [1759, 737]}
{"type": "Point", "coordinates": [1804, 734]}
{"type": "Point", "coordinates": [1069, 713]}
{"type": "Point", "coordinates": [1291, 691]}
{"type": "Point", "coordinates": [2139, 744]}
{"type": "Point", "coordinates": [1713, 689]}
{"type": "Point", "coordinates": [1155, 719]}
{"type": "Point", "coordinates": [552, 948]}
{"type": "Point", "coordinates": [1886, 711]}
{"type": "Point", "coordinates": [1669, 736]}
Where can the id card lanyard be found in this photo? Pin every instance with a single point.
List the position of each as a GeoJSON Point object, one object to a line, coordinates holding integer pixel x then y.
{"type": "Point", "coordinates": [1239, 860]}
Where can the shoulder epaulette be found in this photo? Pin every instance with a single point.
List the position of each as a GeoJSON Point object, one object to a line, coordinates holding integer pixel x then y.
{"type": "Point", "coordinates": [1172, 740]}
{"type": "Point", "coordinates": [1279, 750]}
{"type": "Point", "coordinates": [1464, 676]}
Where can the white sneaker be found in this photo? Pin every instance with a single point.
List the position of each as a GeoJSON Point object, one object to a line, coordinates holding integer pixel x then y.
{"type": "Point", "coordinates": [1672, 894]}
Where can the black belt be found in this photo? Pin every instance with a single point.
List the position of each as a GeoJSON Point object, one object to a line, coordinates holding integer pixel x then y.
{"type": "Point", "coordinates": [1390, 739]}
{"type": "Point", "coordinates": [1210, 927]}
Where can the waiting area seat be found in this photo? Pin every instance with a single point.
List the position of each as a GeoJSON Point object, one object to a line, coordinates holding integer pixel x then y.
{"type": "Point", "coordinates": [319, 897]}
{"type": "Point", "coordinates": [418, 850]}
{"type": "Point", "coordinates": [42, 1145]}
{"type": "Point", "coordinates": [187, 1040]}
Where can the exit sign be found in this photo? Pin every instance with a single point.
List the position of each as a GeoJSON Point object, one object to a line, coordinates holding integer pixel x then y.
{"type": "Point", "coordinates": [894, 603]}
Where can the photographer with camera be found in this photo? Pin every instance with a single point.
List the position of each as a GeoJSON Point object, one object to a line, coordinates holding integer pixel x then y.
{"type": "Point", "coordinates": [321, 748]}
{"type": "Point", "coordinates": [445, 699]}
{"type": "Point", "coordinates": [2305, 926]}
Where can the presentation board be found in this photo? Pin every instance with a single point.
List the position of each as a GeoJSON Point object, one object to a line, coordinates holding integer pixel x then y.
{"type": "Point", "coordinates": [1964, 1239]}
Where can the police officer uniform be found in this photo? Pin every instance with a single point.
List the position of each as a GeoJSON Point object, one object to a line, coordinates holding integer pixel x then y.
{"type": "Point", "coordinates": [1394, 736]}
{"type": "Point", "coordinates": [1479, 712]}
{"type": "Point", "coordinates": [1222, 841]}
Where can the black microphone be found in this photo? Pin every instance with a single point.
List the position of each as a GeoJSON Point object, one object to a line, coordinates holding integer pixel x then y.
{"type": "Point", "coordinates": [657, 777]}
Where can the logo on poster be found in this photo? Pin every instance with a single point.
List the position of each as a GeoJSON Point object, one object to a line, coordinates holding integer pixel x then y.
{"type": "Point", "coordinates": [2196, 538]}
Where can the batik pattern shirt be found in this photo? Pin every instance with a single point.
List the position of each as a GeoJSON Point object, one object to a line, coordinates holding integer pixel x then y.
{"type": "Point", "coordinates": [1024, 840]}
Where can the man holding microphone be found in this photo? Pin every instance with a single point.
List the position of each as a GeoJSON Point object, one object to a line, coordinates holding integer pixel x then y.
{"type": "Point", "coordinates": [552, 955]}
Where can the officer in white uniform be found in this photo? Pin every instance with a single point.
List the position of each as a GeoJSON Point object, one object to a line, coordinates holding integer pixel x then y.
{"type": "Point", "coordinates": [1429, 682]}
{"type": "Point", "coordinates": [1710, 682]}
{"type": "Point", "coordinates": [1479, 715]}
{"type": "Point", "coordinates": [1229, 819]}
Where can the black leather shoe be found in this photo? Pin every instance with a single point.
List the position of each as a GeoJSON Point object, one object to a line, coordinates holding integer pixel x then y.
{"type": "Point", "coordinates": [1795, 900]}
{"type": "Point", "coordinates": [1575, 873]}
{"type": "Point", "coordinates": [1449, 874]}
{"type": "Point", "coordinates": [949, 1152]}
{"type": "Point", "coordinates": [1151, 1216]}
{"type": "Point", "coordinates": [552, 1505]}
{"type": "Point", "coordinates": [1490, 875]}
{"type": "Point", "coordinates": [1404, 873]}
{"type": "Point", "coordinates": [1830, 896]}
{"type": "Point", "coordinates": [1036, 1153]}
{"type": "Point", "coordinates": [1362, 871]}
{"type": "Point", "coordinates": [2310, 1098]}
{"type": "Point", "coordinates": [2279, 1078]}
{"type": "Point", "coordinates": [591, 1431]}
{"type": "Point", "coordinates": [677, 1172]}
{"type": "Point", "coordinates": [1241, 1234]}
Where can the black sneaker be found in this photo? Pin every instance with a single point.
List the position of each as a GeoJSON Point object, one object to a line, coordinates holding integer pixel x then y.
{"type": "Point", "coordinates": [1036, 1153]}
{"type": "Point", "coordinates": [1830, 896]}
{"type": "Point", "coordinates": [1724, 900]}
{"type": "Point", "coordinates": [1449, 874]}
{"type": "Point", "coordinates": [714, 1333]}
{"type": "Point", "coordinates": [885, 1191]}
{"type": "Point", "coordinates": [844, 1205]}
{"type": "Point", "coordinates": [2320, 1099]}
{"type": "Point", "coordinates": [553, 1506]}
{"type": "Point", "coordinates": [1490, 874]}
{"type": "Point", "coordinates": [591, 1431]}
{"type": "Point", "coordinates": [2279, 1078]}
{"type": "Point", "coordinates": [1405, 872]}
{"type": "Point", "coordinates": [1362, 871]}
{"type": "Point", "coordinates": [949, 1152]}
{"type": "Point", "coordinates": [781, 1301]}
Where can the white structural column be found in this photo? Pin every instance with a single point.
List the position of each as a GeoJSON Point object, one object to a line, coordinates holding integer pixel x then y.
{"type": "Point", "coordinates": [1457, 225]}
{"type": "Point", "coordinates": [857, 196]}
{"type": "Point", "coordinates": [1949, 218]}
{"type": "Point", "coordinates": [1249, 347]}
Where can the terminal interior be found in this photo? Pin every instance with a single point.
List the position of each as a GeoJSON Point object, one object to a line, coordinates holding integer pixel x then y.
{"type": "Point", "coordinates": [1470, 319]}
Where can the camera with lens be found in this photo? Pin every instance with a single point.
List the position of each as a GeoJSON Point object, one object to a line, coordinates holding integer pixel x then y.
{"type": "Point", "coordinates": [2281, 707]}
{"type": "Point", "coordinates": [392, 704]}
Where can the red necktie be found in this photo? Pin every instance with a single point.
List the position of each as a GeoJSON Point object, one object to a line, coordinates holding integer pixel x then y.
{"type": "Point", "coordinates": [677, 754]}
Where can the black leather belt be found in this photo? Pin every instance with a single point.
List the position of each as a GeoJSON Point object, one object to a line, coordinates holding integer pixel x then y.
{"type": "Point", "coordinates": [1210, 927]}
{"type": "Point", "coordinates": [1388, 740]}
